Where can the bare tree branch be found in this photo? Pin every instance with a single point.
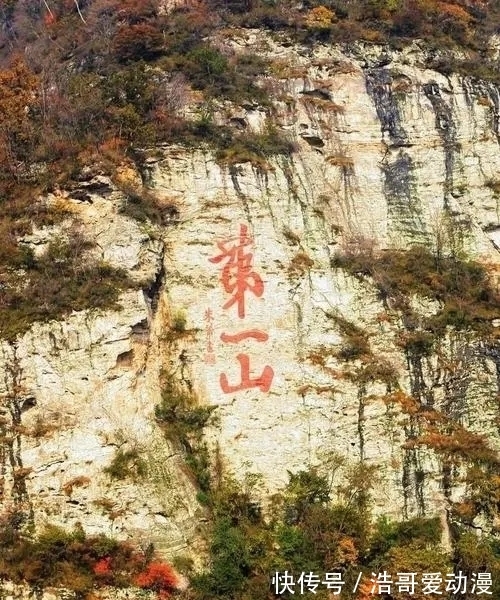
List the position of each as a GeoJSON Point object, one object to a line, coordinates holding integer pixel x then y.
{"type": "Point", "coordinates": [48, 8]}
{"type": "Point", "coordinates": [79, 11]}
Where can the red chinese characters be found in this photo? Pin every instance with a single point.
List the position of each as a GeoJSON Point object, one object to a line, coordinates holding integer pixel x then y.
{"type": "Point", "coordinates": [237, 275]}
{"type": "Point", "coordinates": [263, 381]}
{"type": "Point", "coordinates": [238, 278]}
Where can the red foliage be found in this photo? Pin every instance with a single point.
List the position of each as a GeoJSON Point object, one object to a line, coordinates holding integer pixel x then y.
{"type": "Point", "coordinates": [49, 19]}
{"type": "Point", "coordinates": [102, 568]}
{"type": "Point", "coordinates": [159, 577]}
{"type": "Point", "coordinates": [136, 42]}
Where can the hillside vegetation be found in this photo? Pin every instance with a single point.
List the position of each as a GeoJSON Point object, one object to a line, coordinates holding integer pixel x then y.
{"type": "Point", "coordinates": [88, 84]}
{"type": "Point", "coordinates": [99, 77]}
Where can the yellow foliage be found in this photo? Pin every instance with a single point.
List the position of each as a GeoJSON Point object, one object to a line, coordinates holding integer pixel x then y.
{"type": "Point", "coordinates": [413, 557]}
{"type": "Point", "coordinates": [347, 552]}
{"type": "Point", "coordinates": [457, 443]}
{"type": "Point", "coordinates": [126, 175]}
{"type": "Point", "coordinates": [320, 17]}
{"type": "Point", "coordinates": [465, 510]}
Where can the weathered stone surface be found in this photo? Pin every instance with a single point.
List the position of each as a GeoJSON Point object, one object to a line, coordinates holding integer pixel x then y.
{"type": "Point", "coordinates": [384, 146]}
{"type": "Point", "coordinates": [399, 145]}
{"type": "Point", "coordinates": [90, 395]}
{"type": "Point", "coordinates": [75, 392]}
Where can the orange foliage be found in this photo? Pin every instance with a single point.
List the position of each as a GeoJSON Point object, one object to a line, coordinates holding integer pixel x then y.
{"type": "Point", "coordinates": [18, 86]}
{"type": "Point", "coordinates": [17, 135]}
{"type": "Point", "coordinates": [456, 441]}
{"type": "Point", "coordinates": [347, 553]}
{"type": "Point", "coordinates": [364, 590]}
{"type": "Point", "coordinates": [159, 577]}
{"type": "Point", "coordinates": [454, 11]}
{"type": "Point", "coordinates": [432, 416]}
{"type": "Point", "coordinates": [407, 403]}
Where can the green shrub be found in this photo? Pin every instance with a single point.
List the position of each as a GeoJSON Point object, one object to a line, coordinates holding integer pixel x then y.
{"type": "Point", "coordinates": [209, 70]}
{"type": "Point", "coordinates": [177, 411]}
{"type": "Point", "coordinates": [198, 460]}
{"type": "Point", "coordinates": [388, 534]}
{"type": "Point", "coordinates": [60, 281]}
{"type": "Point", "coordinates": [179, 322]}
{"type": "Point", "coordinates": [304, 489]}
{"type": "Point", "coordinates": [183, 422]}
{"type": "Point", "coordinates": [230, 561]}
{"type": "Point", "coordinates": [296, 549]}
{"type": "Point", "coordinates": [125, 464]}
{"type": "Point", "coordinates": [478, 554]}
{"type": "Point", "coordinates": [306, 532]}
{"type": "Point", "coordinates": [207, 64]}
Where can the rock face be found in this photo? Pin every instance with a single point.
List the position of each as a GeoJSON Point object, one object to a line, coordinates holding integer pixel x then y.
{"type": "Point", "coordinates": [386, 148]}
{"type": "Point", "coordinates": [76, 393]}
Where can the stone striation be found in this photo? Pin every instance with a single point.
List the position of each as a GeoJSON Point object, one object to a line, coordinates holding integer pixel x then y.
{"type": "Point", "coordinates": [385, 149]}
{"type": "Point", "coordinates": [77, 392]}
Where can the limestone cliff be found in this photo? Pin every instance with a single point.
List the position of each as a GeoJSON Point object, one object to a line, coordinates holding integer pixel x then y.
{"type": "Point", "coordinates": [387, 151]}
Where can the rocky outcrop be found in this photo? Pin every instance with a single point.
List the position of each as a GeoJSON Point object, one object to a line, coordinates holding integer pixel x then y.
{"type": "Point", "coordinates": [78, 392]}
{"type": "Point", "coordinates": [386, 150]}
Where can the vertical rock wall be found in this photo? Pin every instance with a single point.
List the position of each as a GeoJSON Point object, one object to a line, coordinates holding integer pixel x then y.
{"type": "Point", "coordinates": [385, 149]}
{"type": "Point", "coordinates": [385, 152]}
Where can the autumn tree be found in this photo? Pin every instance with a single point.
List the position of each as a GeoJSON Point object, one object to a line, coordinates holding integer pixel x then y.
{"type": "Point", "coordinates": [18, 107]}
{"type": "Point", "coordinates": [138, 41]}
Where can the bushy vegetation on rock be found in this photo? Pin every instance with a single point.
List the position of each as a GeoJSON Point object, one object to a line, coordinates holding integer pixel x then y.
{"type": "Point", "coordinates": [316, 527]}
{"type": "Point", "coordinates": [105, 74]}
{"type": "Point", "coordinates": [77, 562]}
{"type": "Point", "coordinates": [465, 305]}
{"type": "Point", "coordinates": [62, 279]}
{"type": "Point", "coordinates": [461, 286]}
{"type": "Point", "coordinates": [89, 82]}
